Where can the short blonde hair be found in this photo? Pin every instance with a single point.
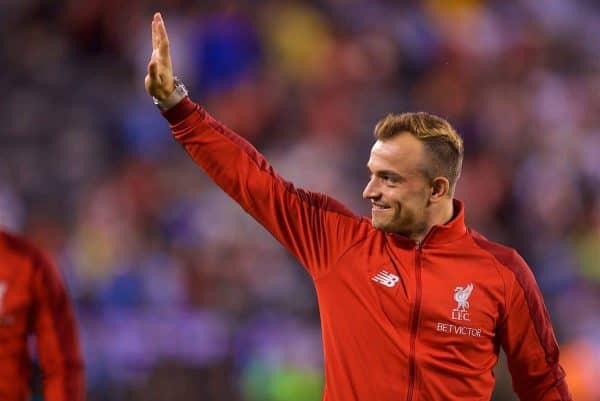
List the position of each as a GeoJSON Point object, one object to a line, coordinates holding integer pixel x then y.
{"type": "Point", "coordinates": [443, 144]}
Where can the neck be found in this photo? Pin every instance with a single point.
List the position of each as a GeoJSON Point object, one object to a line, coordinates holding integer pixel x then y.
{"type": "Point", "coordinates": [439, 215]}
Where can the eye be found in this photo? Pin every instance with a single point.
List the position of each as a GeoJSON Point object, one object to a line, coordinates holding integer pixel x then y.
{"type": "Point", "coordinates": [388, 179]}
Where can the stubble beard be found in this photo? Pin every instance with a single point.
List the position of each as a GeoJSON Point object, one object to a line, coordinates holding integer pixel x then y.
{"type": "Point", "coordinates": [407, 226]}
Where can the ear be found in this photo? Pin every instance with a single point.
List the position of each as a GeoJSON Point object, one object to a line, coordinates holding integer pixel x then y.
{"type": "Point", "coordinates": [440, 189]}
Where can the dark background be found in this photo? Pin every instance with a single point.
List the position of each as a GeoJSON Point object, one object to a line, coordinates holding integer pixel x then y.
{"type": "Point", "coordinates": [179, 295]}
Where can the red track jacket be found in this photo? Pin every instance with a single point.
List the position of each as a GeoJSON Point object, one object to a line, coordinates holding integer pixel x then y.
{"type": "Point", "coordinates": [400, 321]}
{"type": "Point", "coordinates": [33, 300]}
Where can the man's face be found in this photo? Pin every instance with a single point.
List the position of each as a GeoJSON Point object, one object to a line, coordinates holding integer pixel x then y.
{"type": "Point", "coordinates": [398, 188]}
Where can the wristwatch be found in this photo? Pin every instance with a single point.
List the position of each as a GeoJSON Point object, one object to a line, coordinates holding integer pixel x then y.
{"type": "Point", "coordinates": [175, 97]}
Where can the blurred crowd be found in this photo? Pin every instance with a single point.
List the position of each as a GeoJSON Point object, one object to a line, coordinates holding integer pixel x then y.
{"type": "Point", "coordinates": [179, 295]}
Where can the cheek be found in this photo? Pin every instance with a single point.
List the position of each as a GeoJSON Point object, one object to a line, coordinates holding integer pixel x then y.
{"type": "Point", "coordinates": [402, 197]}
{"type": "Point", "coordinates": [411, 202]}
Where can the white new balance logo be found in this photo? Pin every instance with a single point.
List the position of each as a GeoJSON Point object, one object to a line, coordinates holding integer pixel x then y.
{"type": "Point", "coordinates": [385, 278]}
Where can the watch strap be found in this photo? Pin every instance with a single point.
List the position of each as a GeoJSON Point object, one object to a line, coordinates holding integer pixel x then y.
{"type": "Point", "coordinates": [179, 92]}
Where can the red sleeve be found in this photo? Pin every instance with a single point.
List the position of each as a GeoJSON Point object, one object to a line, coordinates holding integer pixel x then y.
{"type": "Point", "coordinates": [313, 227]}
{"type": "Point", "coordinates": [528, 339]}
{"type": "Point", "coordinates": [56, 335]}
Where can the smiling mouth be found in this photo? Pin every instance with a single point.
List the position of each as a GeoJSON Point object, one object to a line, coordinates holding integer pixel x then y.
{"type": "Point", "coordinates": [376, 207]}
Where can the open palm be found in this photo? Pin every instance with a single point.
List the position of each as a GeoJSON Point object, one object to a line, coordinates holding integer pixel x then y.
{"type": "Point", "coordinates": [159, 80]}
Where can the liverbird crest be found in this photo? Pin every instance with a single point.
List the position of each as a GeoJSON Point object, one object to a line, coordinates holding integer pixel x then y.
{"type": "Point", "coordinates": [461, 296]}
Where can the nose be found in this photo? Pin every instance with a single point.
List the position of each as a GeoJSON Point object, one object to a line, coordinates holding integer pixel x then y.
{"type": "Point", "coordinates": [371, 191]}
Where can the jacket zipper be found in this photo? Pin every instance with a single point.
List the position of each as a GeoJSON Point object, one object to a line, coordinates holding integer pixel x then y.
{"type": "Point", "coordinates": [414, 324]}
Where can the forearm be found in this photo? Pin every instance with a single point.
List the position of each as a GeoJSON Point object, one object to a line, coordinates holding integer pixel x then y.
{"type": "Point", "coordinates": [231, 162]}
{"type": "Point", "coordinates": [304, 222]}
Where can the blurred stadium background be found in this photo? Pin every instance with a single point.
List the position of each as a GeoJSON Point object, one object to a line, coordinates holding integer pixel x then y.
{"type": "Point", "coordinates": [179, 295]}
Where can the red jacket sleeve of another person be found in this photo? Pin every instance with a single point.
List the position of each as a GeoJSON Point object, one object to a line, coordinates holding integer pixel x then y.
{"type": "Point", "coordinates": [313, 227]}
{"type": "Point", "coordinates": [56, 335]}
{"type": "Point", "coordinates": [34, 301]}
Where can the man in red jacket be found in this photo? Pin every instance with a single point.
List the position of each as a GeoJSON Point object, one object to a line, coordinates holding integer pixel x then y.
{"type": "Point", "coordinates": [414, 305]}
{"type": "Point", "coordinates": [33, 301]}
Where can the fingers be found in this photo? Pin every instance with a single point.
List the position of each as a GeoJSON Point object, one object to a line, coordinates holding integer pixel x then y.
{"type": "Point", "coordinates": [163, 39]}
{"type": "Point", "coordinates": [159, 81]}
{"type": "Point", "coordinates": [154, 36]}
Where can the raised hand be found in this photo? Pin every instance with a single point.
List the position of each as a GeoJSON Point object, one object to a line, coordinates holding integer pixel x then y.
{"type": "Point", "coordinates": [159, 80]}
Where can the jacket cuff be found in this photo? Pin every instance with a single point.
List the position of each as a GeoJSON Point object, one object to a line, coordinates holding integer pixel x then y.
{"type": "Point", "coordinates": [180, 111]}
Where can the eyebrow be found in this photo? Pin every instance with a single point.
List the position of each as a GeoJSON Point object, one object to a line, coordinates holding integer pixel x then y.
{"type": "Point", "coordinates": [390, 173]}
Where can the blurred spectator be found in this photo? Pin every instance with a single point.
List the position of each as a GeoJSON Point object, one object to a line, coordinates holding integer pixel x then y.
{"type": "Point", "coordinates": [34, 302]}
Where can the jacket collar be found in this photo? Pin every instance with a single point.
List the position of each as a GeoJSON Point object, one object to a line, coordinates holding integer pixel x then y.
{"type": "Point", "coordinates": [439, 234]}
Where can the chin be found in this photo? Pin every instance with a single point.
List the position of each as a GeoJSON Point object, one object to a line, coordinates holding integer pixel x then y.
{"type": "Point", "coordinates": [383, 226]}
{"type": "Point", "coordinates": [389, 227]}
